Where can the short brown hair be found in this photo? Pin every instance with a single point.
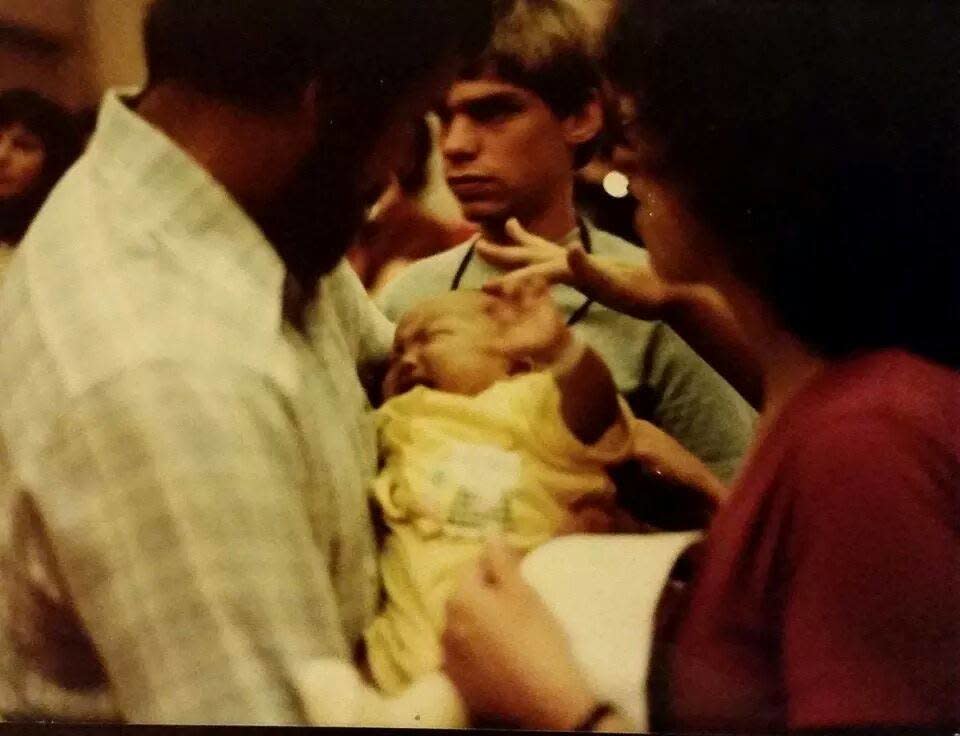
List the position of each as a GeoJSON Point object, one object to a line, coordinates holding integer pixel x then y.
{"type": "Point", "coordinates": [544, 46]}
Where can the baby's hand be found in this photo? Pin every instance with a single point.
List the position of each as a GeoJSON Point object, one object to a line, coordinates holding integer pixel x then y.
{"type": "Point", "coordinates": [532, 326]}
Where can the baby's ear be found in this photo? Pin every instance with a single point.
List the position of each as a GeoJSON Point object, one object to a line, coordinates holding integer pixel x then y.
{"type": "Point", "coordinates": [521, 365]}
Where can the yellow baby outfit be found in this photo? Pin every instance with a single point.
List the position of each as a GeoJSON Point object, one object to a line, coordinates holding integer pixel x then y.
{"type": "Point", "coordinates": [456, 470]}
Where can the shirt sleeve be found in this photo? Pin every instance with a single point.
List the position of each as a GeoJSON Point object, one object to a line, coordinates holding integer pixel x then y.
{"type": "Point", "coordinates": [393, 298]}
{"type": "Point", "coordinates": [872, 599]}
{"type": "Point", "coordinates": [177, 504]}
{"type": "Point", "coordinates": [372, 330]}
{"type": "Point", "coordinates": [690, 401]}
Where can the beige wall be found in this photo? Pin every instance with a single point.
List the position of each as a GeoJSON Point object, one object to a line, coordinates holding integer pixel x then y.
{"type": "Point", "coordinates": [116, 41]}
{"type": "Point", "coordinates": [71, 49]}
{"type": "Point", "coordinates": [43, 46]}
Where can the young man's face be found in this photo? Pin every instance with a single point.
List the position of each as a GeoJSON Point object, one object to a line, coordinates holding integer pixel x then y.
{"type": "Point", "coordinates": [506, 154]}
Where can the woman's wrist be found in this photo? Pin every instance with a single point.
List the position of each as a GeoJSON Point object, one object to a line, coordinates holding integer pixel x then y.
{"type": "Point", "coordinates": [577, 711]}
{"type": "Point", "coordinates": [600, 713]}
{"type": "Point", "coordinates": [680, 303]}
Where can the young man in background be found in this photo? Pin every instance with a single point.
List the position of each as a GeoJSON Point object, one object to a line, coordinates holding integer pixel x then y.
{"type": "Point", "coordinates": [517, 124]}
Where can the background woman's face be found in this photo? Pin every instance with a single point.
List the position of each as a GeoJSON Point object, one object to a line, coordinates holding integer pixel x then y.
{"type": "Point", "coordinates": [673, 238]}
{"type": "Point", "coordinates": [681, 249]}
{"type": "Point", "coordinates": [22, 157]}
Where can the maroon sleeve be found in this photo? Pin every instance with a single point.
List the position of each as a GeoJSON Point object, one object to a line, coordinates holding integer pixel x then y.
{"type": "Point", "coordinates": [872, 598]}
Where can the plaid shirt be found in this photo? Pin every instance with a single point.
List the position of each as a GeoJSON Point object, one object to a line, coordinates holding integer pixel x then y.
{"type": "Point", "coordinates": [183, 474]}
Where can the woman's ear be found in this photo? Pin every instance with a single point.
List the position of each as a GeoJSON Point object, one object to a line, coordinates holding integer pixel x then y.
{"type": "Point", "coordinates": [586, 124]}
{"type": "Point", "coordinates": [519, 366]}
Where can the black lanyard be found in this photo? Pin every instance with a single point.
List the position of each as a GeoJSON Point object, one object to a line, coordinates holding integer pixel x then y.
{"type": "Point", "coordinates": [585, 240]}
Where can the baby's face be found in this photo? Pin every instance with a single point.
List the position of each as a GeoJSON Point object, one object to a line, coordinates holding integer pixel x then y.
{"type": "Point", "coordinates": [449, 343]}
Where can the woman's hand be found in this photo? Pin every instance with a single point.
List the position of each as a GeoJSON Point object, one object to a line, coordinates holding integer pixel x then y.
{"type": "Point", "coordinates": [666, 485]}
{"type": "Point", "coordinates": [507, 654]}
{"type": "Point", "coordinates": [665, 457]}
{"type": "Point", "coordinates": [531, 325]}
{"type": "Point", "coordinates": [631, 288]}
{"type": "Point", "coordinates": [697, 312]}
{"type": "Point", "coordinates": [527, 255]}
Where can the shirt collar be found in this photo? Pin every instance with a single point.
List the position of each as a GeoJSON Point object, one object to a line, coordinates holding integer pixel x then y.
{"type": "Point", "coordinates": [571, 238]}
{"type": "Point", "coordinates": [184, 201]}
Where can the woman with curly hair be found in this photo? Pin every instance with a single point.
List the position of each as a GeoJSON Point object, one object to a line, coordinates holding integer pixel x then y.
{"type": "Point", "coordinates": [800, 160]}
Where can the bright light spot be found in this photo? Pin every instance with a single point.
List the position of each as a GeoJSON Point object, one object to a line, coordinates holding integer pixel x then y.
{"type": "Point", "coordinates": [616, 185]}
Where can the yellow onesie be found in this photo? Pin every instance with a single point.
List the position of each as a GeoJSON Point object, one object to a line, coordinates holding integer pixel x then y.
{"type": "Point", "coordinates": [456, 469]}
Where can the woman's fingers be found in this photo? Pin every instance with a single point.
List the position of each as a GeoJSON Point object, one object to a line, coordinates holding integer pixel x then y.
{"type": "Point", "coordinates": [523, 249]}
{"type": "Point", "coordinates": [535, 278]}
{"type": "Point", "coordinates": [549, 272]}
{"type": "Point", "coordinates": [659, 452]}
{"type": "Point", "coordinates": [504, 256]}
{"type": "Point", "coordinates": [515, 230]}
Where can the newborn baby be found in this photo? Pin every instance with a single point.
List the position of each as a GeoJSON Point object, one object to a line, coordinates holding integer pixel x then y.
{"type": "Point", "coordinates": [497, 421]}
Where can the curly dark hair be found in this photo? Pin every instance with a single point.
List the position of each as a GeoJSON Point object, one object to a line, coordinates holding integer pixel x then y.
{"type": "Point", "coordinates": [821, 143]}
{"type": "Point", "coordinates": [62, 143]}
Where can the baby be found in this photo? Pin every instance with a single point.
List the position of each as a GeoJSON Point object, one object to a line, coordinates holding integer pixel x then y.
{"type": "Point", "coordinates": [497, 421]}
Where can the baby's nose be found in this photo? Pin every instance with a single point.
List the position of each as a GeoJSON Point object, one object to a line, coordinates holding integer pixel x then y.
{"type": "Point", "coordinates": [410, 357]}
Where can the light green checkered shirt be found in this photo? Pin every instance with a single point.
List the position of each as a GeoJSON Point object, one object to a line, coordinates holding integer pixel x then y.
{"type": "Point", "coordinates": [184, 476]}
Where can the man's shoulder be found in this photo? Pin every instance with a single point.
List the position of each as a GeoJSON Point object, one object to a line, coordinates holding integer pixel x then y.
{"type": "Point", "coordinates": [119, 321]}
{"type": "Point", "coordinates": [422, 279]}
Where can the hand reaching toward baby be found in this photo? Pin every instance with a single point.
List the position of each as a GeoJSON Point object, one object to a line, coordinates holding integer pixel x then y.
{"type": "Point", "coordinates": [665, 485]}
{"type": "Point", "coordinates": [631, 288]}
{"type": "Point", "coordinates": [698, 312]}
{"type": "Point", "coordinates": [531, 325]}
{"type": "Point", "coordinates": [526, 256]}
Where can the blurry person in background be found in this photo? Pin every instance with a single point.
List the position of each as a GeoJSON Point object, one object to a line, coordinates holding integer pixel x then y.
{"type": "Point", "coordinates": [398, 228]}
{"type": "Point", "coordinates": [185, 446]}
{"type": "Point", "coordinates": [39, 141]}
{"type": "Point", "coordinates": [517, 124]}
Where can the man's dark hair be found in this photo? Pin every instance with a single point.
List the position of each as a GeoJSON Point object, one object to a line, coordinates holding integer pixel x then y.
{"type": "Point", "coordinates": [264, 53]}
{"type": "Point", "coordinates": [819, 141]}
{"type": "Point", "coordinates": [366, 57]}
{"type": "Point", "coordinates": [61, 139]}
{"type": "Point", "coordinates": [544, 46]}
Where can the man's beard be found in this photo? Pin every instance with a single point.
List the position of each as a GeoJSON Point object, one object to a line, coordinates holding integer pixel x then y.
{"type": "Point", "coordinates": [313, 222]}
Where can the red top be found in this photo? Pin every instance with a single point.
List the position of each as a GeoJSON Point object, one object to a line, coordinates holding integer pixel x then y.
{"type": "Point", "coordinates": [830, 588]}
